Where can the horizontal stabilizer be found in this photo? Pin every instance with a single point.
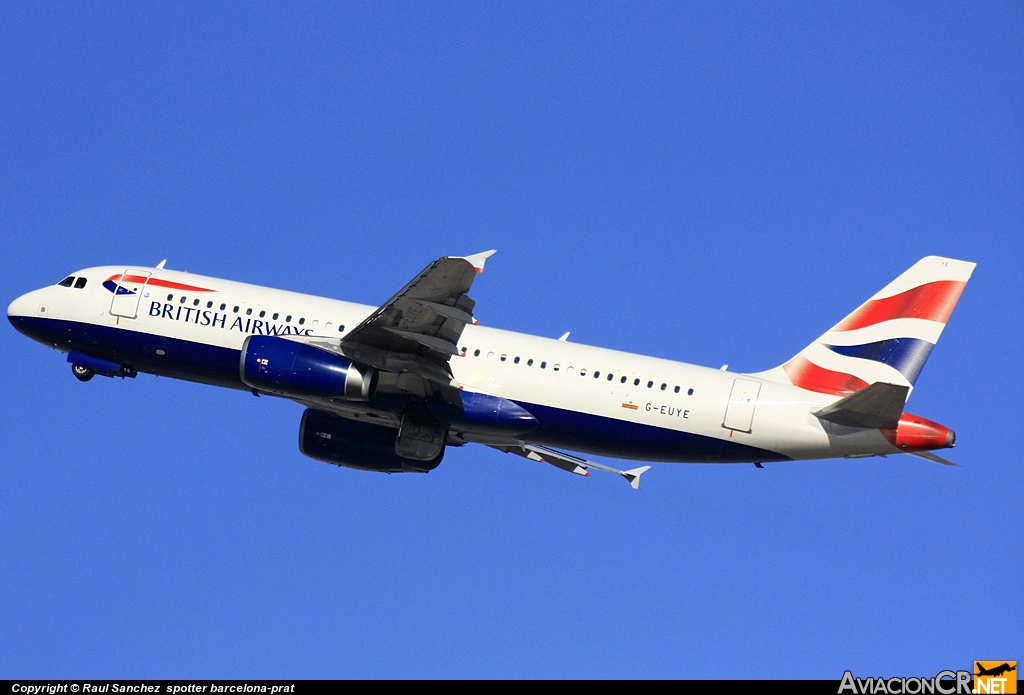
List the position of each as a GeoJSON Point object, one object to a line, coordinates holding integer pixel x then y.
{"type": "Point", "coordinates": [929, 456]}
{"type": "Point", "coordinates": [878, 406]}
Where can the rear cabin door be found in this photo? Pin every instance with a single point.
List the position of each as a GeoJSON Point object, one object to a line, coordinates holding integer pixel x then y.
{"type": "Point", "coordinates": [128, 292]}
{"type": "Point", "coordinates": [739, 414]}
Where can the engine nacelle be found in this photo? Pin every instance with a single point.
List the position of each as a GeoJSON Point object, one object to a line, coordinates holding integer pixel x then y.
{"type": "Point", "coordinates": [355, 444]}
{"type": "Point", "coordinates": [290, 368]}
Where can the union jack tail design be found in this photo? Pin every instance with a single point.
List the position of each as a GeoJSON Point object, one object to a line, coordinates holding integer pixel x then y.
{"type": "Point", "coordinates": [888, 338]}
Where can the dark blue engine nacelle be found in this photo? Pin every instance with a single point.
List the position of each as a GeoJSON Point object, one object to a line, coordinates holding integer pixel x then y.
{"type": "Point", "coordinates": [290, 368]}
{"type": "Point", "coordinates": [355, 444]}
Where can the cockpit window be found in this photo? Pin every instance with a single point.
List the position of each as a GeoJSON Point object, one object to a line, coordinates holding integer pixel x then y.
{"type": "Point", "coordinates": [80, 284]}
{"type": "Point", "coordinates": [66, 282]}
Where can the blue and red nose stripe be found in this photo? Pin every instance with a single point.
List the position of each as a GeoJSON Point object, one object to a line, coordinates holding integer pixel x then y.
{"type": "Point", "coordinates": [116, 289]}
{"type": "Point", "coordinates": [905, 355]}
{"type": "Point", "coordinates": [112, 282]}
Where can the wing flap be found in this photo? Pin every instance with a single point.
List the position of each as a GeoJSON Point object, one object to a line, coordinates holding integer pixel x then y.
{"type": "Point", "coordinates": [436, 344]}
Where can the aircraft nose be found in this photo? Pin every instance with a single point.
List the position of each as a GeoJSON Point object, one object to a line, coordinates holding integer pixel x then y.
{"type": "Point", "coordinates": [17, 307]}
{"type": "Point", "coordinates": [25, 306]}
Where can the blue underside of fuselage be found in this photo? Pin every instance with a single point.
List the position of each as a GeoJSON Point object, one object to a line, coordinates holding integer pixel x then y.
{"type": "Point", "coordinates": [558, 427]}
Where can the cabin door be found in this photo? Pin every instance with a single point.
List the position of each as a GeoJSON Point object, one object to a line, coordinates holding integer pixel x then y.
{"type": "Point", "coordinates": [739, 414]}
{"type": "Point", "coordinates": [127, 291]}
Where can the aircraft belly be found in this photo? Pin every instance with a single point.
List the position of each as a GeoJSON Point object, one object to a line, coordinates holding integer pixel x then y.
{"type": "Point", "coordinates": [152, 354]}
{"type": "Point", "coordinates": [606, 436]}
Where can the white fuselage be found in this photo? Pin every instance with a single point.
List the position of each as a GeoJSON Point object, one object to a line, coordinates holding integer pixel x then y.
{"type": "Point", "coordinates": [603, 391]}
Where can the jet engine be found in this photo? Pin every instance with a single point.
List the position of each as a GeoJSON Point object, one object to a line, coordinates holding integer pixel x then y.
{"type": "Point", "coordinates": [290, 368]}
{"type": "Point", "coordinates": [356, 444]}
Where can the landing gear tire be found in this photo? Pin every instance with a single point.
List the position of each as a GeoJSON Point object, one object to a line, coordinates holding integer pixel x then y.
{"type": "Point", "coordinates": [82, 373]}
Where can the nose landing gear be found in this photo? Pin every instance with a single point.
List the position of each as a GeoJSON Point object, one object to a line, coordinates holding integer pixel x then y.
{"type": "Point", "coordinates": [85, 367]}
{"type": "Point", "coordinates": [82, 373]}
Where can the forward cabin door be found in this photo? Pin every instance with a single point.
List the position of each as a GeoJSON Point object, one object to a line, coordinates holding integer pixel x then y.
{"type": "Point", "coordinates": [128, 293]}
{"type": "Point", "coordinates": [739, 414]}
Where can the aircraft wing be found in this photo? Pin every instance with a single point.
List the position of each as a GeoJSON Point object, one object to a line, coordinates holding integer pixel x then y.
{"type": "Point", "coordinates": [418, 329]}
{"type": "Point", "coordinates": [570, 462]}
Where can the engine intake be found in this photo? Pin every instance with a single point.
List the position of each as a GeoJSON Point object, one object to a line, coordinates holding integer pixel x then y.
{"type": "Point", "coordinates": [290, 368]}
{"type": "Point", "coordinates": [355, 444]}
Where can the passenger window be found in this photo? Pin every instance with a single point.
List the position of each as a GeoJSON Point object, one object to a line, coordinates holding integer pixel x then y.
{"type": "Point", "coordinates": [288, 318]}
{"type": "Point", "coordinates": [223, 307]}
{"type": "Point", "coordinates": [676, 390]}
{"type": "Point", "coordinates": [516, 360]}
{"type": "Point", "coordinates": [529, 362]}
{"type": "Point", "coordinates": [690, 392]}
{"type": "Point", "coordinates": [543, 365]}
{"type": "Point", "coordinates": [262, 314]}
{"type": "Point", "coordinates": [583, 372]}
{"type": "Point", "coordinates": [196, 302]}
{"type": "Point", "coordinates": [597, 375]}
{"type": "Point", "coordinates": [664, 386]}
{"type": "Point", "coordinates": [568, 370]}
{"type": "Point", "coordinates": [80, 283]}
{"type": "Point", "coordinates": [504, 357]}
{"type": "Point", "coordinates": [235, 309]}
{"type": "Point", "coordinates": [170, 298]}
{"type": "Point", "coordinates": [557, 367]}
{"type": "Point", "coordinates": [341, 329]}
{"type": "Point", "coordinates": [476, 353]}
{"type": "Point", "coordinates": [183, 298]}
{"type": "Point", "coordinates": [610, 377]}
{"type": "Point", "coordinates": [636, 382]}
{"type": "Point", "coordinates": [302, 321]}
{"type": "Point", "coordinates": [650, 384]}
{"type": "Point", "coordinates": [209, 305]}
{"type": "Point", "coordinates": [275, 316]}
{"type": "Point", "coordinates": [67, 282]}
{"type": "Point", "coordinates": [622, 380]}
{"type": "Point", "coordinates": [248, 312]}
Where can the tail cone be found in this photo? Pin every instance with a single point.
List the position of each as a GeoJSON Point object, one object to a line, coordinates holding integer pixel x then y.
{"type": "Point", "coordinates": [918, 434]}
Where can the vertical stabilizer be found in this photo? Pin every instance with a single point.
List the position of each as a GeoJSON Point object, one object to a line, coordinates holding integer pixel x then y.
{"type": "Point", "coordinates": [888, 338]}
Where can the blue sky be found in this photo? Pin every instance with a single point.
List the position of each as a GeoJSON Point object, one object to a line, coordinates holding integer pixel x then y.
{"type": "Point", "coordinates": [704, 182]}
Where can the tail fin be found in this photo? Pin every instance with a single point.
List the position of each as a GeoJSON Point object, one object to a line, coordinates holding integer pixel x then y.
{"type": "Point", "coordinates": [888, 338]}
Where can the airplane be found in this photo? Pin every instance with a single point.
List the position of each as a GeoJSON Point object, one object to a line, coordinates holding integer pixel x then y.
{"type": "Point", "coordinates": [390, 388]}
{"type": "Point", "coordinates": [1005, 667]}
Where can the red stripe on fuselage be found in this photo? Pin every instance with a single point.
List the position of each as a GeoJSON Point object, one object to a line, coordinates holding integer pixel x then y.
{"type": "Point", "coordinates": [933, 302]}
{"type": "Point", "coordinates": [155, 282]}
{"type": "Point", "coordinates": [807, 375]}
